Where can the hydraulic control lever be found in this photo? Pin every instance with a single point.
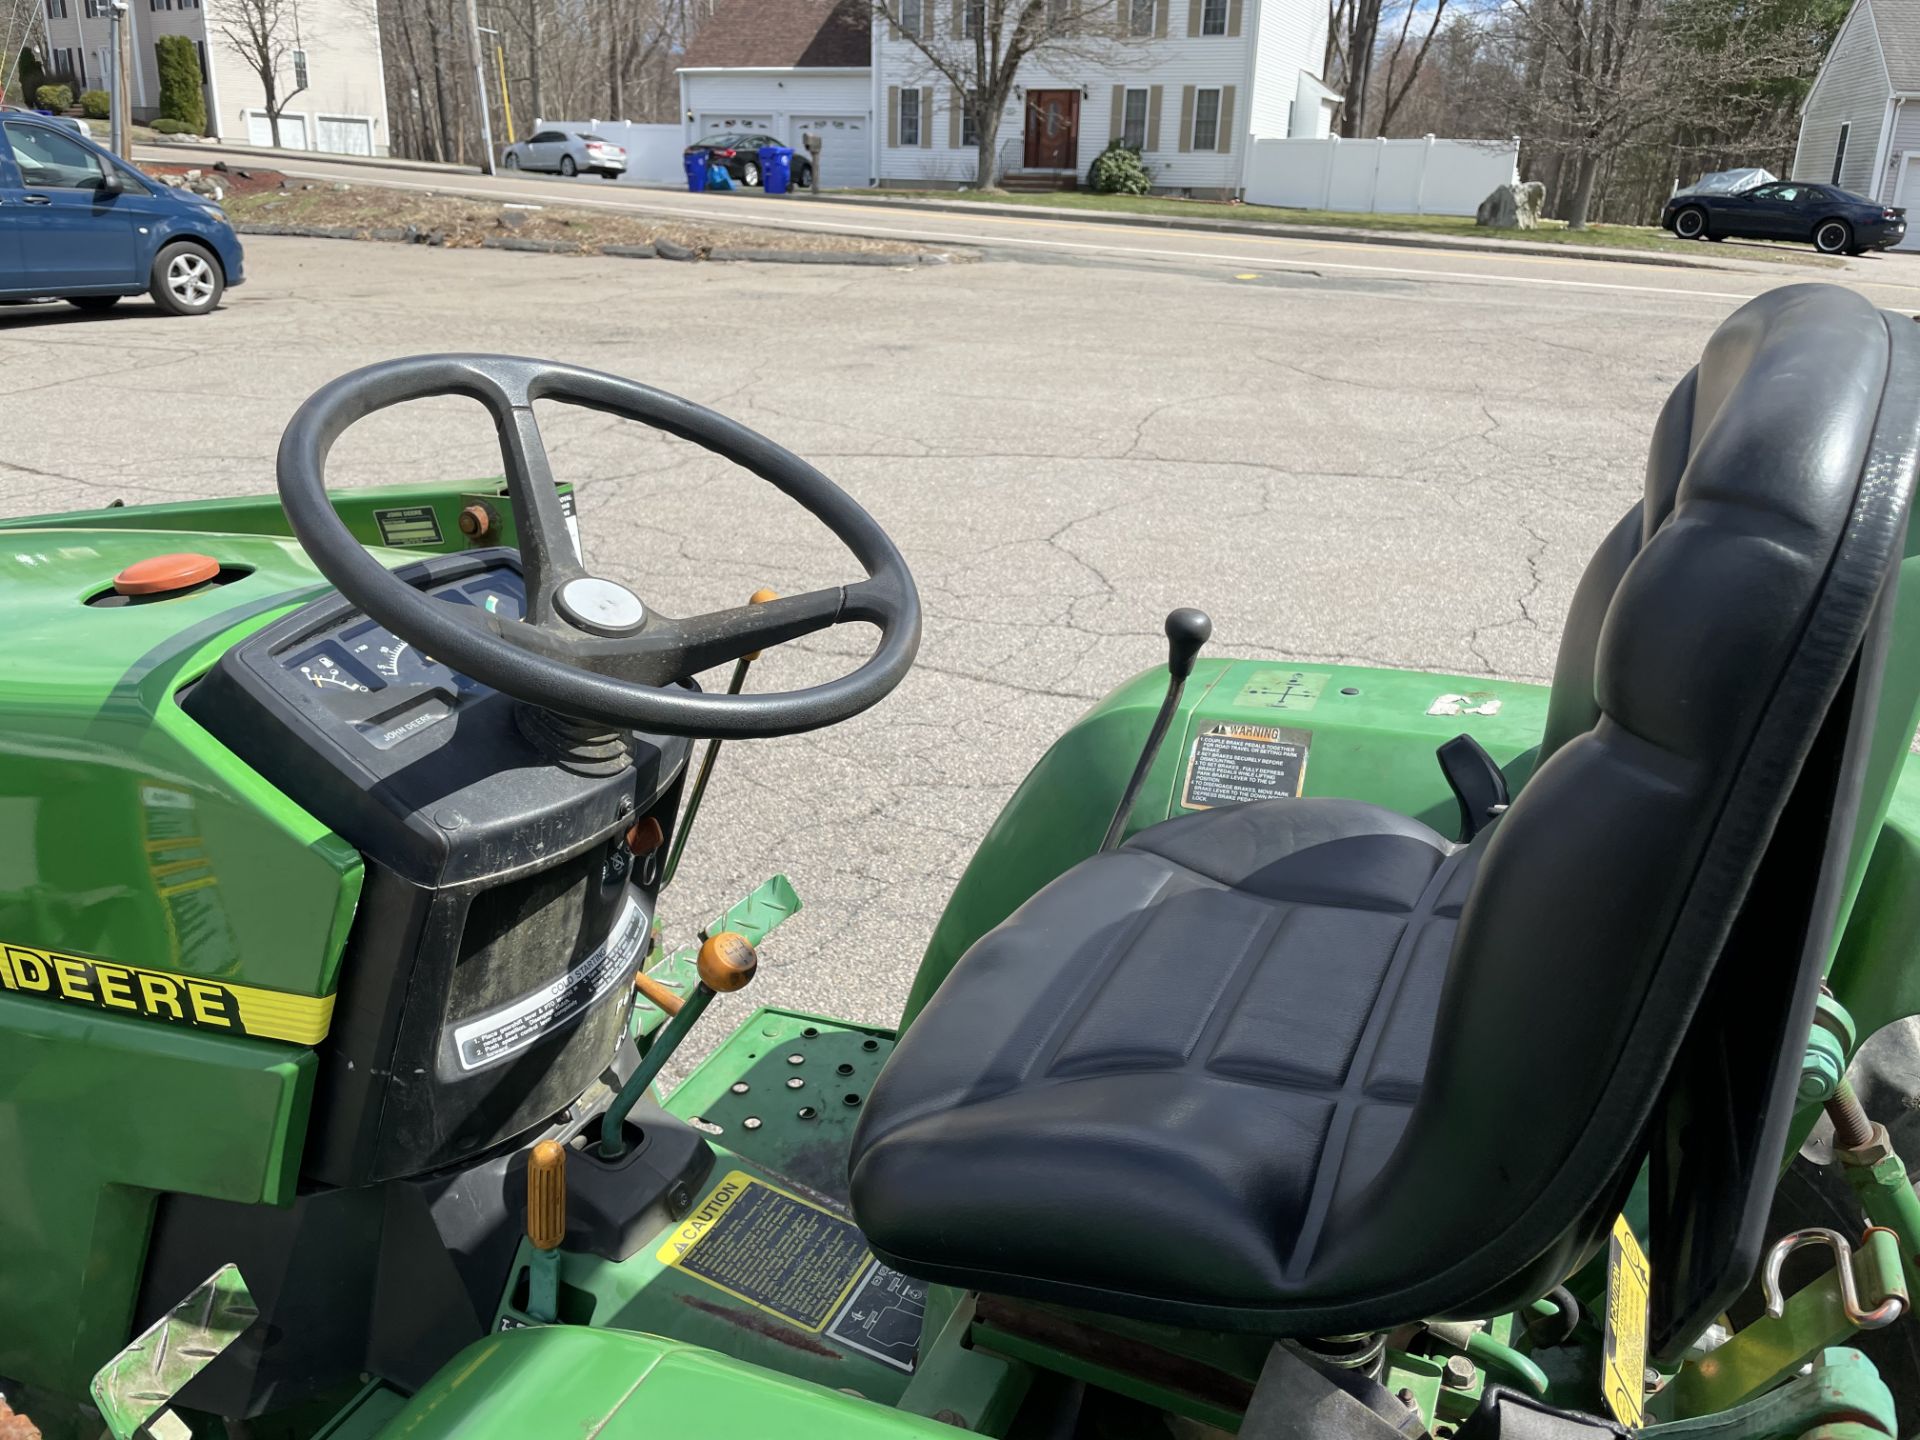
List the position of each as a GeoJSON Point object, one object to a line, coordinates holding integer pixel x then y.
{"type": "Point", "coordinates": [1187, 631]}
{"type": "Point", "coordinates": [727, 962]}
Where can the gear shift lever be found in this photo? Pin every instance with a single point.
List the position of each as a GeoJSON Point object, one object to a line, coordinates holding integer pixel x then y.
{"type": "Point", "coordinates": [1187, 631]}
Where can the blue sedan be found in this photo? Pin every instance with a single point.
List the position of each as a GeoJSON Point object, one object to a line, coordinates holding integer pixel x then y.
{"type": "Point", "coordinates": [78, 224]}
{"type": "Point", "coordinates": [1832, 220]}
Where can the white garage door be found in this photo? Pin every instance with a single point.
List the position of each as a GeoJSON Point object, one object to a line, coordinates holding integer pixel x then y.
{"type": "Point", "coordinates": [846, 159]}
{"type": "Point", "coordinates": [293, 130]}
{"type": "Point", "coordinates": [713, 122]}
{"type": "Point", "coordinates": [1906, 192]}
{"type": "Point", "coordinates": [344, 134]}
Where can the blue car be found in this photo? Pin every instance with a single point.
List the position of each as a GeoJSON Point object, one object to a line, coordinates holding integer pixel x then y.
{"type": "Point", "coordinates": [82, 226]}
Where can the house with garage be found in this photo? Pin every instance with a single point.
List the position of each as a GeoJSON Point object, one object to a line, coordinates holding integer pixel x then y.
{"type": "Point", "coordinates": [1187, 82]}
{"type": "Point", "coordinates": [1860, 126]}
{"type": "Point", "coordinates": [787, 68]}
{"type": "Point", "coordinates": [333, 87]}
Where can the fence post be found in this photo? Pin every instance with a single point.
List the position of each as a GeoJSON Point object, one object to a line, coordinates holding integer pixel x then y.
{"type": "Point", "coordinates": [1420, 190]}
{"type": "Point", "coordinates": [1373, 191]}
{"type": "Point", "coordinates": [1326, 174]}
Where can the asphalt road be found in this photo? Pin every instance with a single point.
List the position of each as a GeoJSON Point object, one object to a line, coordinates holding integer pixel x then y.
{"type": "Point", "coordinates": [1366, 462]}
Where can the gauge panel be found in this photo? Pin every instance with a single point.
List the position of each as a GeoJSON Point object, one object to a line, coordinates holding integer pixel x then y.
{"type": "Point", "coordinates": [386, 689]}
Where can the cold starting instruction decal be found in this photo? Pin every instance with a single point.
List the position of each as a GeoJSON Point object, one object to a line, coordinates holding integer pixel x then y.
{"type": "Point", "coordinates": [491, 1037]}
{"type": "Point", "coordinates": [801, 1263]}
{"type": "Point", "coordinates": [408, 526]}
{"type": "Point", "coordinates": [1282, 690]}
{"type": "Point", "coordinates": [1231, 763]}
{"type": "Point", "coordinates": [1623, 1361]}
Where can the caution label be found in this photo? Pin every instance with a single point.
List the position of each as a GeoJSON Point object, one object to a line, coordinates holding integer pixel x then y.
{"type": "Point", "coordinates": [162, 995]}
{"type": "Point", "coordinates": [777, 1252]}
{"type": "Point", "coordinates": [1623, 1364]}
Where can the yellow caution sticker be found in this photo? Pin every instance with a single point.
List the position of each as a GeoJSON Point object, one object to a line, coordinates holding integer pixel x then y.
{"type": "Point", "coordinates": [771, 1249]}
{"type": "Point", "coordinates": [1623, 1365]}
{"type": "Point", "coordinates": [162, 995]}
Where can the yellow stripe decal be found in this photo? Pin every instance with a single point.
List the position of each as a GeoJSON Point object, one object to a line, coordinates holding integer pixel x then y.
{"type": "Point", "coordinates": [162, 995]}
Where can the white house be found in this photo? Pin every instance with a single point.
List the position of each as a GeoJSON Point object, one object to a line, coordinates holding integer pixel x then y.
{"type": "Point", "coordinates": [333, 59]}
{"type": "Point", "coordinates": [1860, 128]}
{"type": "Point", "coordinates": [1189, 82]}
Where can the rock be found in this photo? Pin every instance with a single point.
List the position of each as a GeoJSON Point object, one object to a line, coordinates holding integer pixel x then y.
{"type": "Point", "coordinates": [341, 186]}
{"type": "Point", "coordinates": [629, 252]}
{"type": "Point", "coordinates": [16, 1427]}
{"type": "Point", "coordinates": [1513, 207]}
{"type": "Point", "coordinates": [511, 220]}
{"type": "Point", "coordinates": [516, 242]}
{"type": "Point", "coordinates": [193, 174]}
{"type": "Point", "coordinates": [674, 250]}
{"type": "Point", "coordinates": [221, 166]}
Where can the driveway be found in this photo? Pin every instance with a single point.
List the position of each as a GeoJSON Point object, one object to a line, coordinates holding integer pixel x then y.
{"type": "Point", "coordinates": [1340, 460]}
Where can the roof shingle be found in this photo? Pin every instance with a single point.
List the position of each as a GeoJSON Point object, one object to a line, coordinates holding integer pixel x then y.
{"type": "Point", "coordinates": [783, 32]}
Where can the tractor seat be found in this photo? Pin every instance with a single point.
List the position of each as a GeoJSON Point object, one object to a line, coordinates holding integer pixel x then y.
{"type": "Point", "coordinates": [1307, 1068]}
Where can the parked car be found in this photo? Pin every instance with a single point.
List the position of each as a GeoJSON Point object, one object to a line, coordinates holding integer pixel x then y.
{"type": "Point", "coordinates": [1832, 220]}
{"type": "Point", "coordinates": [738, 153]}
{"type": "Point", "coordinates": [71, 122]}
{"type": "Point", "coordinates": [79, 225]}
{"type": "Point", "coordinates": [567, 152]}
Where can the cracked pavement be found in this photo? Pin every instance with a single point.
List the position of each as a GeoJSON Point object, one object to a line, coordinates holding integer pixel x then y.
{"type": "Point", "coordinates": [1380, 471]}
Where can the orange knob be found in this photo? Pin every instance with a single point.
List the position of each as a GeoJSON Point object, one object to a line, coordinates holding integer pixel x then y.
{"type": "Point", "coordinates": [727, 962]}
{"type": "Point", "coordinates": [759, 597]}
{"type": "Point", "coordinates": [547, 1195]}
{"type": "Point", "coordinates": [163, 574]}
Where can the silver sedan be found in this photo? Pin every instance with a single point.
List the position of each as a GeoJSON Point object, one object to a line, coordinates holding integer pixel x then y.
{"type": "Point", "coordinates": [567, 152]}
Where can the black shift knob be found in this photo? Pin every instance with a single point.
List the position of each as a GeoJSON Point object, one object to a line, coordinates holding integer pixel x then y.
{"type": "Point", "coordinates": [1187, 631]}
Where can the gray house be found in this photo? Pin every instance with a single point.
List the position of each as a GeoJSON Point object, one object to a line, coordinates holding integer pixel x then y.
{"type": "Point", "coordinates": [1861, 126]}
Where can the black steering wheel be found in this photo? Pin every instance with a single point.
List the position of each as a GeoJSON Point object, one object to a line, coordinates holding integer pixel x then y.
{"type": "Point", "coordinates": [588, 648]}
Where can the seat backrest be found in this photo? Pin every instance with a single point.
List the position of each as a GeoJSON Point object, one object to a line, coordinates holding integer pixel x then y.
{"type": "Point", "coordinates": [1637, 962]}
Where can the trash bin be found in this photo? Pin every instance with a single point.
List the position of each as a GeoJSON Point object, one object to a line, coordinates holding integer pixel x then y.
{"type": "Point", "coordinates": [696, 161]}
{"type": "Point", "coordinates": [776, 168]}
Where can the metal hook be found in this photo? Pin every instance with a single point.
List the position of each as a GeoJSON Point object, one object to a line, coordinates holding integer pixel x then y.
{"type": "Point", "coordinates": [1883, 1314]}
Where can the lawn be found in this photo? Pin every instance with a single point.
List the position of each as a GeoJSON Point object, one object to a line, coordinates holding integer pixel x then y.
{"type": "Point", "coordinates": [1622, 237]}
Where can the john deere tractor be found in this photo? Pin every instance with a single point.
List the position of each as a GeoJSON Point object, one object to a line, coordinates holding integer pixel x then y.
{"type": "Point", "coordinates": [1316, 1052]}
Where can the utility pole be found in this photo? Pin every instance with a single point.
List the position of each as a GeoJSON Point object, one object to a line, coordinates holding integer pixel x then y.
{"type": "Point", "coordinates": [120, 61]}
{"type": "Point", "coordinates": [479, 65]}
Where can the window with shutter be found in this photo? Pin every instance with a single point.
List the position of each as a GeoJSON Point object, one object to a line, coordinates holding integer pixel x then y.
{"type": "Point", "coordinates": [1206, 119]}
{"type": "Point", "coordinates": [909, 118]}
{"type": "Point", "coordinates": [1213, 21]}
{"type": "Point", "coordinates": [911, 16]}
{"type": "Point", "coordinates": [1140, 17]}
{"type": "Point", "coordinates": [974, 18]}
{"type": "Point", "coordinates": [1133, 128]}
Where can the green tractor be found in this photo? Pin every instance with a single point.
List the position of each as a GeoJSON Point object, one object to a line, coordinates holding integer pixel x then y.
{"type": "Point", "coordinates": [1325, 1052]}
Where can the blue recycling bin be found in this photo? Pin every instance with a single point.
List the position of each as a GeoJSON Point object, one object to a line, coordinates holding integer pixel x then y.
{"type": "Point", "coordinates": [776, 168]}
{"type": "Point", "coordinates": [696, 161]}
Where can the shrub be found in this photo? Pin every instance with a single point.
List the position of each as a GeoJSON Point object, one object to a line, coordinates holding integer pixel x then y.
{"type": "Point", "coordinates": [54, 97]}
{"type": "Point", "coordinates": [173, 127]}
{"type": "Point", "coordinates": [1118, 170]}
{"type": "Point", "coordinates": [96, 104]}
{"type": "Point", "coordinates": [30, 76]}
{"type": "Point", "coordinates": [181, 97]}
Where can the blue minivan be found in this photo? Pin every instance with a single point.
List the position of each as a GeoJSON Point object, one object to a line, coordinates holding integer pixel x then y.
{"type": "Point", "coordinates": [80, 225]}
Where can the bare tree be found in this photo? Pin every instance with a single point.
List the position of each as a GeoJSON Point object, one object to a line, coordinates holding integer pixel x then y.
{"type": "Point", "coordinates": [264, 33]}
{"type": "Point", "coordinates": [979, 46]}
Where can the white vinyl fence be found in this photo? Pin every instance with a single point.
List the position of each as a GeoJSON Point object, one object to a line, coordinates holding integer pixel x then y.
{"type": "Point", "coordinates": [653, 151]}
{"type": "Point", "coordinates": [1389, 177]}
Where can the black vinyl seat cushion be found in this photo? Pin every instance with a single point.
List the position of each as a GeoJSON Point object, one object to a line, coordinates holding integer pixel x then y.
{"type": "Point", "coordinates": [1233, 1049]}
{"type": "Point", "coordinates": [1305, 1068]}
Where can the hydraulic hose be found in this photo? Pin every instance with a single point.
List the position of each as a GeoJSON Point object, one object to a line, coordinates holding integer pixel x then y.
{"type": "Point", "coordinates": [1489, 1352]}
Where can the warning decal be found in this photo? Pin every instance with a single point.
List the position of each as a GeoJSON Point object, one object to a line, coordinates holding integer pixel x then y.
{"type": "Point", "coordinates": [883, 1317]}
{"type": "Point", "coordinates": [1232, 763]}
{"type": "Point", "coordinates": [408, 525]}
{"type": "Point", "coordinates": [1623, 1364]}
{"type": "Point", "coordinates": [793, 1259]}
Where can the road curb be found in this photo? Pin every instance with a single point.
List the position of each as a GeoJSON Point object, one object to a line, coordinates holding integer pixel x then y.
{"type": "Point", "coordinates": [1313, 232]}
{"type": "Point", "coordinates": [659, 249]}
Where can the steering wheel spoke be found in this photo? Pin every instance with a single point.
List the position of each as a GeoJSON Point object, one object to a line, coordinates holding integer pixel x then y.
{"type": "Point", "coordinates": [588, 648]}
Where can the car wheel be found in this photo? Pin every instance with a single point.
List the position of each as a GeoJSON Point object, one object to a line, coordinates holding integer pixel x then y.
{"type": "Point", "coordinates": [1833, 237]}
{"type": "Point", "coordinates": [513, 161]}
{"type": "Point", "coordinates": [750, 175]}
{"type": "Point", "coordinates": [1690, 223]}
{"type": "Point", "coordinates": [186, 279]}
{"type": "Point", "coordinates": [567, 167]}
{"type": "Point", "coordinates": [93, 304]}
{"type": "Point", "coordinates": [805, 178]}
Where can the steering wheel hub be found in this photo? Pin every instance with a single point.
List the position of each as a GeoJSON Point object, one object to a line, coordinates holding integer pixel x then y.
{"type": "Point", "coordinates": [588, 650]}
{"type": "Point", "coordinates": [600, 607]}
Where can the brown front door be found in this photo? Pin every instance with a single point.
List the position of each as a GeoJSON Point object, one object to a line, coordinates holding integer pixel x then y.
{"type": "Point", "coordinates": [1053, 129]}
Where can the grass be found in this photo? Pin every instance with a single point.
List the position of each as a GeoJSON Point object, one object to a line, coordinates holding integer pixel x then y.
{"type": "Point", "coordinates": [1619, 237]}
